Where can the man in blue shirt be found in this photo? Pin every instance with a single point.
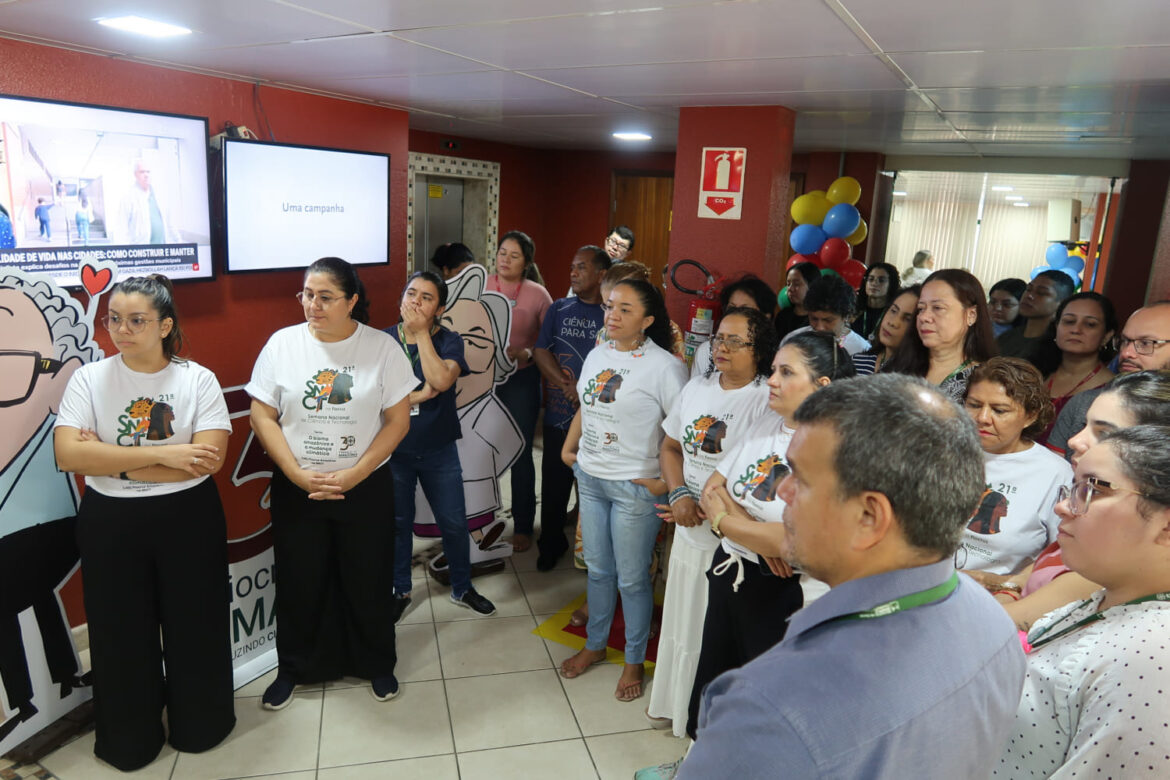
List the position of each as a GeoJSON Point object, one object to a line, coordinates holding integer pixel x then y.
{"type": "Point", "coordinates": [904, 669]}
{"type": "Point", "coordinates": [567, 333]}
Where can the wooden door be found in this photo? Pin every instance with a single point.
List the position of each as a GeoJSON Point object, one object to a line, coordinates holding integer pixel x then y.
{"type": "Point", "coordinates": [642, 200]}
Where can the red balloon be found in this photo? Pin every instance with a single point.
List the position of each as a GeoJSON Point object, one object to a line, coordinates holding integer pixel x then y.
{"type": "Point", "coordinates": [853, 272]}
{"type": "Point", "coordinates": [798, 258]}
{"type": "Point", "coordinates": [835, 253]}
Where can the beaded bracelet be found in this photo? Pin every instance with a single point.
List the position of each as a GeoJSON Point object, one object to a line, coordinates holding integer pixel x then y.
{"type": "Point", "coordinates": [1015, 596]}
{"type": "Point", "coordinates": [682, 491]}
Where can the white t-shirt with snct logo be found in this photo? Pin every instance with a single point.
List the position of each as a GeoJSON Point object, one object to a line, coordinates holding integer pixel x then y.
{"type": "Point", "coordinates": [754, 470]}
{"type": "Point", "coordinates": [708, 422]}
{"type": "Point", "coordinates": [624, 398]}
{"type": "Point", "coordinates": [132, 409]}
{"type": "Point", "coordinates": [1015, 519]}
{"type": "Point", "coordinates": [330, 395]}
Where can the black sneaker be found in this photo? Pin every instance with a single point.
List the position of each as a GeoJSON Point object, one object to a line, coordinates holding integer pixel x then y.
{"type": "Point", "coordinates": [475, 602]}
{"type": "Point", "coordinates": [399, 607]}
{"type": "Point", "coordinates": [384, 688]}
{"type": "Point", "coordinates": [550, 555]}
{"type": "Point", "coordinates": [279, 694]}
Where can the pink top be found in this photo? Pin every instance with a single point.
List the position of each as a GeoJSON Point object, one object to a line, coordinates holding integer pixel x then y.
{"type": "Point", "coordinates": [529, 303]}
{"type": "Point", "coordinates": [1049, 566]}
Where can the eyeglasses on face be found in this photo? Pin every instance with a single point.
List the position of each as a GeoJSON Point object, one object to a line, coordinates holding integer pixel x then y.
{"type": "Point", "coordinates": [134, 323]}
{"type": "Point", "coordinates": [1140, 346]}
{"type": "Point", "coordinates": [617, 243]}
{"type": "Point", "coordinates": [1079, 494]}
{"type": "Point", "coordinates": [19, 370]}
{"type": "Point", "coordinates": [730, 343]}
{"type": "Point", "coordinates": [324, 301]}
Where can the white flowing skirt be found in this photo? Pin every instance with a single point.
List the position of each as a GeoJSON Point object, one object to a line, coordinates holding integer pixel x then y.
{"type": "Point", "coordinates": [681, 636]}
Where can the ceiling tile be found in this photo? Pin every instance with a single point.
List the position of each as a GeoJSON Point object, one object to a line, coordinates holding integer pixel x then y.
{"type": "Point", "coordinates": [718, 31]}
{"type": "Point", "coordinates": [909, 25]}
{"type": "Point", "coordinates": [339, 58]}
{"type": "Point", "coordinates": [857, 100]}
{"type": "Point", "coordinates": [215, 23]}
{"type": "Point", "coordinates": [1056, 67]}
{"type": "Point", "coordinates": [1110, 97]}
{"type": "Point", "coordinates": [408, 14]}
{"type": "Point", "coordinates": [440, 90]}
{"type": "Point", "coordinates": [778, 75]}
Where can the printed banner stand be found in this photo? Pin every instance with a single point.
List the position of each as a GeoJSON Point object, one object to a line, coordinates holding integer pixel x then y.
{"type": "Point", "coordinates": [721, 182]}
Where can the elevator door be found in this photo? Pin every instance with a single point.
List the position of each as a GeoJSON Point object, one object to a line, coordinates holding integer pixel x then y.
{"type": "Point", "coordinates": [438, 216]}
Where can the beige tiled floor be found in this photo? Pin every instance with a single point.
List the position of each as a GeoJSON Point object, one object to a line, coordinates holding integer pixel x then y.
{"type": "Point", "coordinates": [480, 699]}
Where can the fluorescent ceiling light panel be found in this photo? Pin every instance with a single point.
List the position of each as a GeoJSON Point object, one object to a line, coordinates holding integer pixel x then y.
{"type": "Point", "coordinates": [1022, 205]}
{"type": "Point", "coordinates": [1002, 188]}
{"type": "Point", "coordinates": [899, 194]}
{"type": "Point", "coordinates": [1013, 197]}
{"type": "Point", "coordinates": [141, 26]}
{"type": "Point", "coordinates": [632, 136]}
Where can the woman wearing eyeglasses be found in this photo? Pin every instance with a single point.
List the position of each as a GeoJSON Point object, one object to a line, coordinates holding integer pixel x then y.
{"type": "Point", "coordinates": [1094, 699]}
{"type": "Point", "coordinates": [147, 428]}
{"type": "Point", "coordinates": [751, 592]}
{"type": "Point", "coordinates": [1140, 398]}
{"type": "Point", "coordinates": [329, 404]}
{"type": "Point", "coordinates": [714, 412]}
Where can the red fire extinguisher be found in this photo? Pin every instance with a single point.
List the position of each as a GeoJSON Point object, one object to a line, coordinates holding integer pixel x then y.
{"type": "Point", "coordinates": [704, 311]}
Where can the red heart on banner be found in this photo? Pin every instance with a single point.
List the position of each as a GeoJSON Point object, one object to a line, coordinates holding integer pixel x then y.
{"type": "Point", "coordinates": [94, 280]}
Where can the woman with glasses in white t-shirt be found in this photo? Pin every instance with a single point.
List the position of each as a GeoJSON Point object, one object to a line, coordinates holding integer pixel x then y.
{"type": "Point", "coordinates": [148, 428]}
{"type": "Point", "coordinates": [330, 405]}
{"type": "Point", "coordinates": [715, 411]}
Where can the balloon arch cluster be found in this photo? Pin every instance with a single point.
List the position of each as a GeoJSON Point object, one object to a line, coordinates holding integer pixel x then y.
{"type": "Point", "coordinates": [1059, 258]}
{"type": "Point", "coordinates": [828, 226]}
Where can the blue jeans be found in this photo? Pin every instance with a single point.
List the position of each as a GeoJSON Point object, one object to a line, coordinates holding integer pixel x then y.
{"type": "Point", "coordinates": [441, 477]}
{"type": "Point", "coordinates": [520, 395]}
{"type": "Point", "coordinates": [618, 526]}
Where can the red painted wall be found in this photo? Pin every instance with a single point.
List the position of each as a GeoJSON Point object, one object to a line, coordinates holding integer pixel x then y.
{"type": "Point", "coordinates": [228, 320]}
{"type": "Point", "coordinates": [750, 244]}
{"type": "Point", "coordinates": [560, 198]}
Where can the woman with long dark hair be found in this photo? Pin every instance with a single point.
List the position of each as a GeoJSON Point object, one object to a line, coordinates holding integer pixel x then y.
{"type": "Point", "coordinates": [879, 288]}
{"type": "Point", "coordinates": [626, 388]}
{"type": "Point", "coordinates": [892, 328]}
{"type": "Point", "coordinates": [798, 279]}
{"type": "Point", "coordinates": [148, 428]}
{"type": "Point", "coordinates": [329, 404]}
{"type": "Point", "coordinates": [952, 332]}
{"type": "Point", "coordinates": [751, 591]}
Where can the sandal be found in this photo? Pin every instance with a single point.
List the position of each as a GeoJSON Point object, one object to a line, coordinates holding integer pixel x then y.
{"type": "Point", "coordinates": [632, 690]}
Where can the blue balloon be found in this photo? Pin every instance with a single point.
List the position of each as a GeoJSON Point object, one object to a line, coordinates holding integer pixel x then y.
{"type": "Point", "coordinates": [1072, 275]}
{"type": "Point", "coordinates": [1056, 255]}
{"type": "Point", "coordinates": [1074, 263]}
{"type": "Point", "coordinates": [807, 239]}
{"type": "Point", "coordinates": [1039, 270]}
{"type": "Point", "coordinates": [841, 221]}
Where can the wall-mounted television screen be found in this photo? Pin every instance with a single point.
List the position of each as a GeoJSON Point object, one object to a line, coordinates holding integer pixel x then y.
{"type": "Point", "coordinates": [286, 205]}
{"type": "Point", "coordinates": [85, 183]}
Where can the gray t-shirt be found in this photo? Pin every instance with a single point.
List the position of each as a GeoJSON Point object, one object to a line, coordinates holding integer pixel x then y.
{"type": "Point", "coordinates": [1072, 419]}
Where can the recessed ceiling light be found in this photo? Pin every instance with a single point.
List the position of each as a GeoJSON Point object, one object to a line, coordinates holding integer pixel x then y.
{"type": "Point", "coordinates": [632, 136]}
{"type": "Point", "coordinates": [1002, 188]}
{"type": "Point", "coordinates": [141, 26]}
{"type": "Point", "coordinates": [1022, 205]}
{"type": "Point", "coordinates": [1013, 197]}
{"type": "Point", "coordinates": [899, 194]}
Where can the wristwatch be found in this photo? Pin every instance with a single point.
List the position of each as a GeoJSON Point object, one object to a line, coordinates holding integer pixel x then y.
{"type": "Point", "coordinates": [715, 521]}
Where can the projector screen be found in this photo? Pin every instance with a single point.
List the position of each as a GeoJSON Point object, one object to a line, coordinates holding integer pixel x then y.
{"type": "Point", "coordinates": [286, 206]}
{"type": "Point", "coordinates": [90, 184]}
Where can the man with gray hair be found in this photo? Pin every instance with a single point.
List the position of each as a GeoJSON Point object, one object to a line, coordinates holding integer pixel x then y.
{"type": "Point", "coordinates": [904, 662]}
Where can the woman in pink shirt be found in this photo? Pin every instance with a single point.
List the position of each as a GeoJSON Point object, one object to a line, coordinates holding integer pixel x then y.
{"type": "Point", "coordinates": [520, 394]}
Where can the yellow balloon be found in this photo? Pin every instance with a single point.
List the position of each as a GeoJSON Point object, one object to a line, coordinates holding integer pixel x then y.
{"type": "Point", "coordinates": [810, 208]}
{"type": "Point", "coordinates": [858, 235]}
{"type": "Point", "coordinates": [845, 190]}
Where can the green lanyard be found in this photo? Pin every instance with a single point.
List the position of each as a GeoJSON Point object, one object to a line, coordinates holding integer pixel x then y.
{"type": "Point", "coordinates": [919, 599]}
{"type": "Point", "coordinates": [1164, 596]}
{"type": "Point", "coordinates": [956, 372]}
{"type": "Point", "coordinates": [414, 359]}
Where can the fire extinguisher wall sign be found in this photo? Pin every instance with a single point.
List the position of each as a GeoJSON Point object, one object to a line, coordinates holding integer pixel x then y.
{"type": "Point", "coordinates": [721, 182]}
